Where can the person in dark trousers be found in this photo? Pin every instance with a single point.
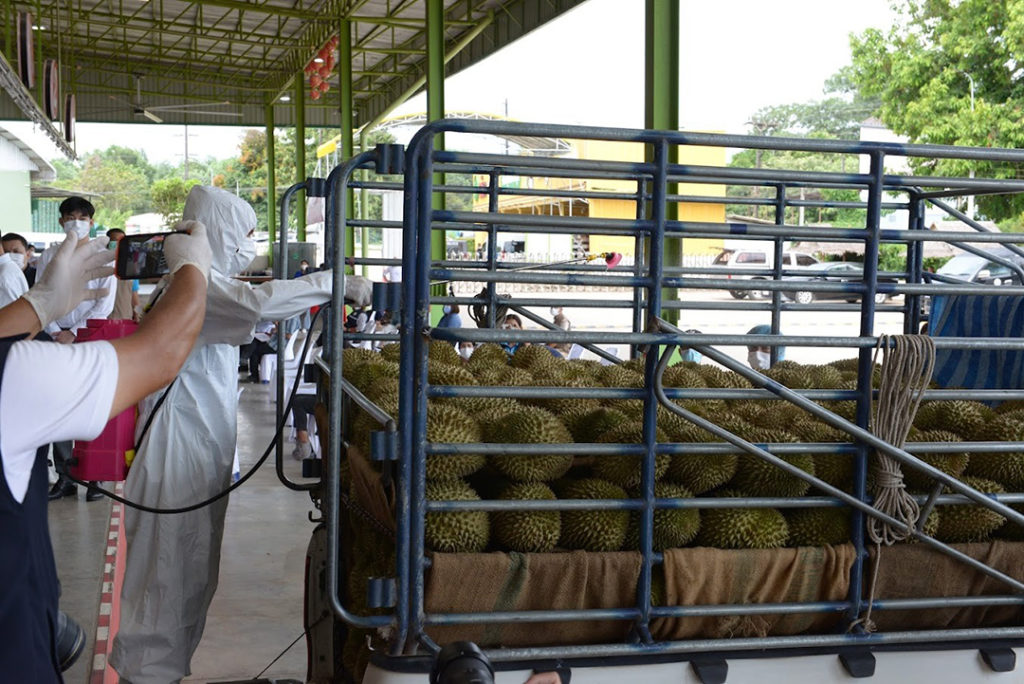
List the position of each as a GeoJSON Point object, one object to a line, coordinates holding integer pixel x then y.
{"type": "Point", "coordinates": [70, 392]}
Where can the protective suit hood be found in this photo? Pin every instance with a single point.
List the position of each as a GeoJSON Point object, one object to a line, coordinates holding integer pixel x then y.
{"type": "Point", "coordinates": [229, 220]}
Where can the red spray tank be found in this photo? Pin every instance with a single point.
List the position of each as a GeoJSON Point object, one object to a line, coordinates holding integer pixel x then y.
{"type": "Point", "coordinates": [106, 458]}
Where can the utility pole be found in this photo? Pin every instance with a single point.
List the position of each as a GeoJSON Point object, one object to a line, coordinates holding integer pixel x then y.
{"type": "Point", "coordinates": [970, 198]}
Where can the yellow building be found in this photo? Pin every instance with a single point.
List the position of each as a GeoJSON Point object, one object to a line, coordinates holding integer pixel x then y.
{"type": "Point", "coordinates": [614, 208]}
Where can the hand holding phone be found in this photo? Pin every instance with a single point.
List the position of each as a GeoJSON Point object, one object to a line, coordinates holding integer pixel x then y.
{"type": "Point", "coordinates": [141, 256]}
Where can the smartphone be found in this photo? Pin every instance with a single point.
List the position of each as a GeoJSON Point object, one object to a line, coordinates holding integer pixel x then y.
{"type": "Point", "coordinates": [141, 256]}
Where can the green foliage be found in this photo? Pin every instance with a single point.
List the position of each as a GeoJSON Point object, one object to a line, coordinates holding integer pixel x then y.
{"type": "Point", "coordinates": [921, 71]}
{"type": "Point", "coordinates": [168, 196]}
{"type": "Point", "coordinates": [892, 258]}
{"type": "Point", "coordinates": [836, 116]}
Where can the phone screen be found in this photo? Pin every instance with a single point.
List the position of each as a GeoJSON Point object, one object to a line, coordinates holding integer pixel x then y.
{"type": "Point", "coordinates": [141, 256]}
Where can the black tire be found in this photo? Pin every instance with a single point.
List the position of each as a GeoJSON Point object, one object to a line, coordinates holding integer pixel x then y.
{"type": "Point", "coordinates": [738, 294]}
{"type": "Point", "coordinates": [803, 297]}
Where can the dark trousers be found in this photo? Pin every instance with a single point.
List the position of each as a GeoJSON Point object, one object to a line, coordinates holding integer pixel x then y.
{"type": "Point", "coordinates": [257, 351]}
{"type": "Point", "coordinates": [302, 408]}
{"type": "Point", "coordinates": [62, 457]}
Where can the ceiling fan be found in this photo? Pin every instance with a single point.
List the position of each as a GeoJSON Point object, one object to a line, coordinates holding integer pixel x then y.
{"type": "Point", "coordinates": [152, 112]}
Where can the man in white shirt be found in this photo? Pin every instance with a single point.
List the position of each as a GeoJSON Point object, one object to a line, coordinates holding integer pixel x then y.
{"type": "Point", "coordinates": [76, 214]}
{"type": "Point", "coordinates": [12, 280]}
{"type": "Point", "coordinates": [70, 392]}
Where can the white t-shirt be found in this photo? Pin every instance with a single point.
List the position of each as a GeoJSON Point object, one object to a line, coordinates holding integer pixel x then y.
{"type": "Point", "coordinates": [90, 308]}
{"type": "Point", "coordinates": [52, 393]}
{"type": "Point", "coordinates": [12, 281]}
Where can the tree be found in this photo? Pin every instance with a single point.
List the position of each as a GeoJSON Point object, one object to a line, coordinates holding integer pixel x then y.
{"type": "Point", "coordinates": [168, 197]}
{"type": "Point", "coordinates": [923, 71]}
{"type": "Point", "coordinates": [836, 116]}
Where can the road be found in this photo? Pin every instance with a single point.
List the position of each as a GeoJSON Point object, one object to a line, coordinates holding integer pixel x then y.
{"type": "Point", "coordinates": [731, 322]}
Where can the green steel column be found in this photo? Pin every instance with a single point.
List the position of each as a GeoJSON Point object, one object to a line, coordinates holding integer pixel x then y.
{"type": "Point", "coordinates": [661, 107]}
{"type": "Point", "coordinates": [272, 218]}
{"type": "Point", "coordinates": [435, 112]}
{"type": "Point", "coordinates": [300, 154]}
{"type": "Point", "coordinates": [347, 129]}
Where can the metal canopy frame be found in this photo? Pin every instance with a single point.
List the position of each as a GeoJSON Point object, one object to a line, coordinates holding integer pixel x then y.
{"type": "Point", "coordinates": [249, 53]}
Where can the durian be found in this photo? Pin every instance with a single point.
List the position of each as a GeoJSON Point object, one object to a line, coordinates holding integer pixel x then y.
{"type": "Point", "coordinates": [742, 528]}
{"type": "Point", "coordinates": [817, 526]}
{"type": "Point", "coordinates": [455, 531]}
{"type": "Point", "coordinates": [625, 469]}
{"type": "Point", "coordinates": [594, 530]}
{"type": "Point", "coordinates": [446, 424]}
{"type": "Point", "coordinates": [531, 425]}
{"type": "Point", "coordinates": [528, 531]}
{"type": "Point", "coordinates": [673, 527]}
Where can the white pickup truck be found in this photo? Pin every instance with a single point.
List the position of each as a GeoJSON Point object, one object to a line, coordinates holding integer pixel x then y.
{"type": "Point", "coordinates": [758, 260]}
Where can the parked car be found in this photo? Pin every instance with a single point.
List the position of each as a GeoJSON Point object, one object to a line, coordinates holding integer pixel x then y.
{"type": "Point", "coordinates": [757, 259]}
{"type": "Point", "coordinates": [973, 268]}
{"type": "Point", "coordinates": [836, 272]}
{"type": "Point", "coordinates": [978, 269]}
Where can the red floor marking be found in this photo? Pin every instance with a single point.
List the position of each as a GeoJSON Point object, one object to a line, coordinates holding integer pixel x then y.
{"type": "Point", "coordinates": [110, 595]}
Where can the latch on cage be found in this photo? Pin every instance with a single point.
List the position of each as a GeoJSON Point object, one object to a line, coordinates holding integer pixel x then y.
{"type": "Point", "coordinates": [390, 158]}
{"type": "Point", "coordinates": [316, 187]}
{"type": "Point", "coordinates": [383, 445]}
{"type": "Point", "coordinates": [386, 296]}
{"type": "Point", "coordinates": [381, 592]}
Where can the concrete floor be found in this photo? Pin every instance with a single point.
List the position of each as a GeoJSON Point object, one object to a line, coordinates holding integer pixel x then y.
{"type": "Point", "coordinates": [257, 611]}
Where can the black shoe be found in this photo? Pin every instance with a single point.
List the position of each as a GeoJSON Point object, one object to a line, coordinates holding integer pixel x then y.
{"type": "Point", "coordinates": [62, 488]}
{"type": "Point", "coordinates": [94, 494]}
{"type": "Point", "coordinates": [70, 640]}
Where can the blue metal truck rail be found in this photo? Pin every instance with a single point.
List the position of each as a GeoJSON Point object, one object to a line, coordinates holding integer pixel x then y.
{"type": "Point", "coordinates": [649, 294]}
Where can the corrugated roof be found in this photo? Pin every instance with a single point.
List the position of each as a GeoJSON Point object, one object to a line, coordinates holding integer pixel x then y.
{"type": "Point", "coordinates": [121, 58]}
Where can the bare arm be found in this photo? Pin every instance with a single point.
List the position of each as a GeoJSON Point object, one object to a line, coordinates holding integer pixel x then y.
{"type": "Point", "coordinates": [18, 318]}
{"type": "Point", "coordinates": [151, 357]}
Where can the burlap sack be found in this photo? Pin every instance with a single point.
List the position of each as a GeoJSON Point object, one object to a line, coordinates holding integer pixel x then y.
{"type": "Point", "coordinates": [476, 582]}
{"type": "Point", "coordinates": [705, 576]}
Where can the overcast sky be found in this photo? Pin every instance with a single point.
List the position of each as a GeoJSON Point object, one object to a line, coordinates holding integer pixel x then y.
{"type": "Point", "coordinates": [586, 67]}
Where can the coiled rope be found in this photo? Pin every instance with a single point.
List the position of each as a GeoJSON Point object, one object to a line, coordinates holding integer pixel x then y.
{"type": "Point", "coordinates": [907, 362]}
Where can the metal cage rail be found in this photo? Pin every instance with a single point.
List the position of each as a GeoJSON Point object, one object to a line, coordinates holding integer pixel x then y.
{"type": "Point", "coordinates": [653, 314]}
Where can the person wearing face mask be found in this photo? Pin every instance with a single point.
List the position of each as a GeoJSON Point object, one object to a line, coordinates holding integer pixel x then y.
{"type": "Point", "coordinates": [76, 215]}
{"type": "Point", "coordinates": [511, 322]}
{"type": "Point", "coordinates": [12, 280]}
{"type": "Point", "coordinates": [126, 302]}
{"type": "Point", "coordinates": [465, 349]}
{"type": "Point", "coordinates": [760, 358]}
{"type": "Point", "coordinates": [451, 317]}
{"type": "Point", "coordinates": [18, 249]}
{"type": "Point", "coordinates": [186, 455]}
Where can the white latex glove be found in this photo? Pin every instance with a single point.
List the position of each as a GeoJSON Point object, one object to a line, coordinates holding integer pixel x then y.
{"type": "Point", "coordinates": [192, 248]}
{"type": "Point", "coordinates": [358, 290]}
{"type": "Point", "coordinates": [63, 284]}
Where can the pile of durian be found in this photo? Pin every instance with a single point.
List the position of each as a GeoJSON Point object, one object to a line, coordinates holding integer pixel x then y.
{"type": "Point", "coordinates": [471, 477]}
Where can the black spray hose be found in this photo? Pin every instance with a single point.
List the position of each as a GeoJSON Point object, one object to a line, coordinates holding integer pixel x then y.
{"type": "Point", "coordinates": [235, 485]}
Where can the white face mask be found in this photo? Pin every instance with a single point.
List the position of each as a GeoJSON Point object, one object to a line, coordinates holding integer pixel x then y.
{"type": "Point", "coordinates": [242, 257]}
{"type": "Point", "coordinates": [759, 360]}
{"type": "Point", "coordinates": [447, 309]}
{"type": "Point", "coordinates": [18, 259]}
{"type": "Point", "coordinates": [79, 226]}
{"type": "Point", "coordinates": [465, 352]}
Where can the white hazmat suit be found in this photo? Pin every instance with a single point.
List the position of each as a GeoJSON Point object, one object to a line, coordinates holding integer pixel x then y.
{"type": "Point", "coordinates": [186, 456]}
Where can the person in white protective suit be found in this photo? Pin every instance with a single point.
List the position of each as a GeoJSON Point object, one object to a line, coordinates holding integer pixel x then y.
{"type": "Point", "coordinates": [186, 455]}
